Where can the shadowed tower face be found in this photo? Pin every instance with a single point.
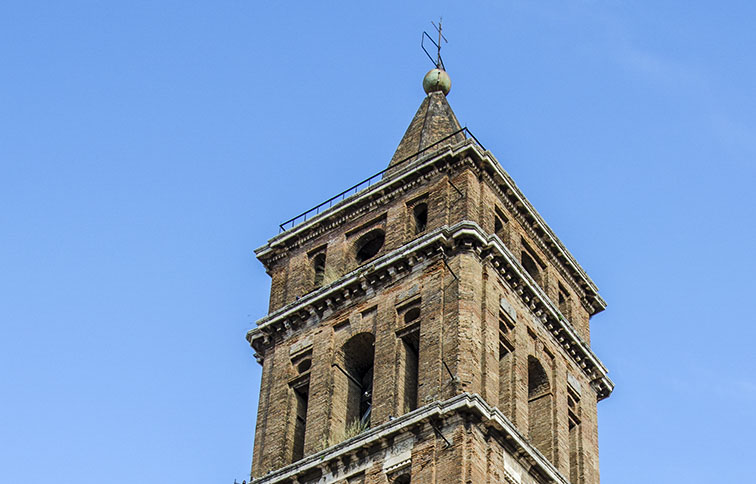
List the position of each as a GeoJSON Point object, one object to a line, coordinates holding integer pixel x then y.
{"type": "Point", "coordinates": [429, 328]}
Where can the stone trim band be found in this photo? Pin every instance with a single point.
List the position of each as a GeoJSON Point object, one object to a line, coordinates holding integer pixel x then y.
{"type": "Point", "coordinates": [469, 403]}
{"type": "Point", "coordinates": [462, 236]}
{"type": "Point", "coordinates": [385, 190]}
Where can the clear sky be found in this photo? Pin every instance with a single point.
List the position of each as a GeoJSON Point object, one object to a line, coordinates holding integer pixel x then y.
{"type": "Point", "coordinates": [146, 148]}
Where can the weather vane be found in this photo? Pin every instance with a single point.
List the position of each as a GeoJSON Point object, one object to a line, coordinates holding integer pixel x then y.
{"type": "Point", "coordinates": [439, 62]}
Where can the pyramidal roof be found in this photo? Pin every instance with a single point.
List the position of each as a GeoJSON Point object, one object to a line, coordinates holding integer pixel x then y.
{"type": "Point", "coordinates": [433, 122]}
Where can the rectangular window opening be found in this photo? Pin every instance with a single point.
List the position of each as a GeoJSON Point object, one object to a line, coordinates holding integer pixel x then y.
{"type": "Point", "coordinates": [506, 359]}
{"type": "Point", "coordinates": [530, 266]}
{"type": "Point", "coordinates": [408, 322]}
{"type": "Point", "coordinates": [301, 395]}
{"type": "Point", "coordinates": [574, 450]}
{"type": "Point", "coordinates": [500, 224]}
{"type": "Point", "coordinates": [564, 301]}
{"type": "Point", "coordinates": [411, 366]}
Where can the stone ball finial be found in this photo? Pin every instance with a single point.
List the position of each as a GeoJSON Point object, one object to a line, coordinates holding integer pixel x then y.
{"type": "Point", "coordinates": [437, 80]}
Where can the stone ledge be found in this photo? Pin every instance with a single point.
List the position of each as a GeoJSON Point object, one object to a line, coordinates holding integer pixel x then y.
{"type": "Point", "coordinates": [399, 181]}
{"type": "Point", "coordinates": [462, 236]}
{"type": "Point", "coordinates": [462, 403]}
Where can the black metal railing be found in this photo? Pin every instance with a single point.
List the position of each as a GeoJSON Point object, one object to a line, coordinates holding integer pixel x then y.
{"type": "Point", "coordinates": [354, 189]}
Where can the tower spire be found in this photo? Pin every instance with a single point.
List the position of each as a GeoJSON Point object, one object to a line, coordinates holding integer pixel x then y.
{"type": "Point", "coordinates": [435, 119]}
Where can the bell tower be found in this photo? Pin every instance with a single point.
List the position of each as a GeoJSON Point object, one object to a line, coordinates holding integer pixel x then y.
{"type": "Point", "coordinates": [427, 326]}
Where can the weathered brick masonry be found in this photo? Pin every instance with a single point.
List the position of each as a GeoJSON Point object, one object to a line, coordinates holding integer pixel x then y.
{"type": "Point", "coordinates": [430, 328]}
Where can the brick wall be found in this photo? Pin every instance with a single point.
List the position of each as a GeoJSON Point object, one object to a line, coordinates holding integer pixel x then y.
{"type": "Point", "coordinates": [459, 330]}
{"type": "Point", "coordinates": [293, 276]}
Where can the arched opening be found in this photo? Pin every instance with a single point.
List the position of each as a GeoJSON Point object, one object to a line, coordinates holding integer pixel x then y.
{"type": "Point", "coordinates": [403, 479]}
{"type": "Point", "coordinates": [369, 245]}
{"type": "Point", "coordinates": [420, 216]}
{"type": "Point", "coordinates": [358, 354]}
{"type": "Point", "coordinates": [304, 365]}
{"type": "Point", "coordinates": [540, 408]}
{"type": "Point", "coordinates": [318, 266]}
{"type": "Point", "coordinates": [411, 315]}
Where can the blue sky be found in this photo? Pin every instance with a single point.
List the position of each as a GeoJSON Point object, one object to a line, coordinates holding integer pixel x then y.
{"type": "Point", "coordinates": [146, 148]}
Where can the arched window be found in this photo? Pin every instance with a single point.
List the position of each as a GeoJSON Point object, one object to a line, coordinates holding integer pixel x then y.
{"type": "Point", "coordinates": [369, 245]}
{"type": "Point", "coordinates": [357, 379]}
{"type": "Point", "coordinates": [304, 365]}
{"type": "Point", "coordinates": [411, 314]}
{"type": "Point", "coordinates": [403, 479]}
{"type": "Point", "coordinates": [420, 216]}
{"type": "Point", "coordinates": [318, 265]}
{"type": "Point", "coordinates": [540, 408]}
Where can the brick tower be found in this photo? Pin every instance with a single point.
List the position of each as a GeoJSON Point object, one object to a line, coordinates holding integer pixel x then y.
{"type": "Point", "coordinates": [427, 327]}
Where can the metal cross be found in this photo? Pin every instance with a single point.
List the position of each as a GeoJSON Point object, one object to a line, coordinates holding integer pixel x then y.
{"type": "Point", "coordinates": [438, 61]}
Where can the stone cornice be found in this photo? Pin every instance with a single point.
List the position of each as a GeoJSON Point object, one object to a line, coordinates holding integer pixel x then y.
{"type": "Point", "coordinates": [462, 404]}
{"type": "Point", "coordinates": [561, 259]}
{"type": "Point", "coordinates": [462, 236]}
{"type": "Point", "coordinates": [392, 186]}
{"type": "Point", "coordinates": [348, 287]}
{"type": "Point", "coordinates": [542, 235]}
